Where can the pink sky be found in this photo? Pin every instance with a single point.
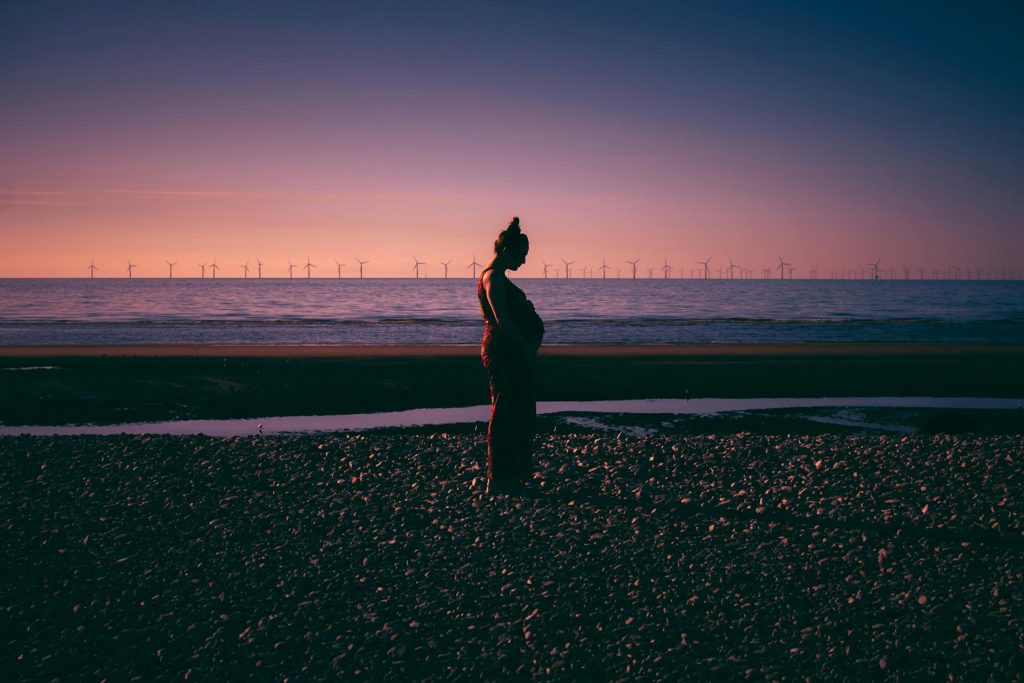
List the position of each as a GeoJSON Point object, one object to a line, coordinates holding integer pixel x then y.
{"type": "Point", "coordinates": [185, 135]}
{"type": "Point", "coordinates": [582, 194]}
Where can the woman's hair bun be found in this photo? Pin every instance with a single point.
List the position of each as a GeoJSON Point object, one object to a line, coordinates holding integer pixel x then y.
{"type": "Point", "coordinates": [511, 237]}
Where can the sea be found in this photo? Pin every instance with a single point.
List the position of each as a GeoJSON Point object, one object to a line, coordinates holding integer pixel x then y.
{"type": "Point", "coordinates": [439, 311]}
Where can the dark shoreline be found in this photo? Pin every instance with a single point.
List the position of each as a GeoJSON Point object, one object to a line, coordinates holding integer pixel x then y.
{"type": "Point", "coordinates": [107, 385]}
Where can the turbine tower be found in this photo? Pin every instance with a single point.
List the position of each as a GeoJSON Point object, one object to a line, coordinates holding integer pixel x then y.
{"type": "Point", "coordinates": [875, 269]}
{"type": "Point", "coordinates": [245, 270]}
{"type": "Point", "coordinates": [633, 263]}
{"type": "Point", "coordinates": [546, 266]}
{"type": "Point", "coordinates": [214, 267]}
{"type": "Point", "coordinates": [604, 270]}
{"type": "Point", "coordinates": [732, 267]}
{"type": "Point", "coordinates": [92, 268]}
{"type": "Point", "coordinates": [568, 273]}
{"type": "Point", "coordinates": [309, 266]}
{"type": "Point", "coordinates": [130, 266]}
{"type": "Point", "coordinates": [291, 269]}
{"type": "Point", "coordinates": [203, 272]}
{"type": "Point", "coordinates": [707, 271]}
{"type": "Point", "coordinates": [445, 264]}
{"type": "Point", "coordinates": [339, 268]}
{"type": "Point", "coordinates": [474, 265]}
{"type": "Point", "coordinates": [170, 269]}
{"type": "Point", "coordinates": [782, 269]}
{"type": "Point", "coordinates": [361, 264]}
{"type": "Point", "coordinates": [666, 269]}
{"type": "Point", "coordinates": [259, 269]}
{"type": "Point", "coordinates": [417, 265]}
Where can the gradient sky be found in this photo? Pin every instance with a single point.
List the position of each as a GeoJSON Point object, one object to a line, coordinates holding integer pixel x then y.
{"type": "Point", "coordinates": [187, 131]}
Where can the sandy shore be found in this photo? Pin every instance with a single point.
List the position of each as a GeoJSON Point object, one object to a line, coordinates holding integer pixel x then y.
{"type": "Point", "coordinates": [738, 557]}
{"type": "Point", "coordinates": [62, 385]}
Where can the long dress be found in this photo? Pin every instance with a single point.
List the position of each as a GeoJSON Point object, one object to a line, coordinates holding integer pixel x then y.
{"type": "Point", "coordinates": [510, 375]}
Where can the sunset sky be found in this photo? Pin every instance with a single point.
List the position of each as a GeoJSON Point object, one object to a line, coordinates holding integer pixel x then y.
{"type": "Point", "coordinates": [834, 134]}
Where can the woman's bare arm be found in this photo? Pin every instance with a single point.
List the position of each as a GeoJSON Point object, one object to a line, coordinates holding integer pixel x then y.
{"type": "Point", "coordinates": [496, 297]}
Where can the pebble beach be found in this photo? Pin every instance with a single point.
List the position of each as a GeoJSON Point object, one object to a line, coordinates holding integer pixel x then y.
{"type": "Point", "coordinates": [379, 556]}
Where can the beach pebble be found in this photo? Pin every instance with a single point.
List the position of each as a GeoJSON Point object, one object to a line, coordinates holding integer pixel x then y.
{"type": "Point", "coordinates": [372, 555]}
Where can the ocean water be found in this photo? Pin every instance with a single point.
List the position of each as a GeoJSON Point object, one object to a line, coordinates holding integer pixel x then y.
{"type": "Point", "coordinates": [436, 311]}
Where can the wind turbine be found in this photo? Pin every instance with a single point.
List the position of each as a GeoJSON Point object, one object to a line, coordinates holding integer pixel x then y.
{"type": "Point", "coordinates": [874, 267]}
{"type": "Point", "coordinates": [339, 268]}
{"type": "Point", "coordinates": [445, 264]}
{"type": "Point", "coordinates": [633, 263]}
{"type": "Point", "coordinates": [130, 266]}
{"type": "Point", "coordinates": [604, 270]}
{"type": "Point", "coordinates": [782, 269]}
{"type": "Point", "coordinates": [666, 269]}
{"type": "Point", "coordinates": [906, 272]}
{"type": "Point", "coordinates": [214, 267]}
{"type": "Point", "coordinates": [568, 273]}
{"type": "Point", "coordinates": [474, 265]}
{"type": "Point", "coordinates": [707, 271]}
{"type": "Point", "coordinates": [291, 269]}
{"type": "Point", "coordinates": [259, 269]}
{"type": "Point", "coordinates": [732, 268]}
{"type": "Point", "coordinates": [170, 269]}
{"type": "Point", "coordinates": [203, 266]}
{"type": "Point", "coordinates": [92, 268]}
{"type": "Point", "coordinates": [361, 264]}
{"type": "Point", "coordinates": [416, 267]}
{"type": "Point", "coordinates": [546, 266]}
{"type": "Point", "coordinates": [309, 266]}
{"type": "Point", "coordinates": [245, 270]}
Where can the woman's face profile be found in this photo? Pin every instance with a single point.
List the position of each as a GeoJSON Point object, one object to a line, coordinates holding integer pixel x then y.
{"type": "Point", "coordinates": [517, 258]}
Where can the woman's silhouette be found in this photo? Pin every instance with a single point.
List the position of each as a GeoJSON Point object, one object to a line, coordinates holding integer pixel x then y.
{"type": "Point", "coordinates": [512, 334]}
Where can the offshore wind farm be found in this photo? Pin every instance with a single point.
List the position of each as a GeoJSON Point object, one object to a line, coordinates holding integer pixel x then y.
{"type": "Point", "coordinates": [539, 268]}
{"type": "Point", "coordinates": [782, 270]}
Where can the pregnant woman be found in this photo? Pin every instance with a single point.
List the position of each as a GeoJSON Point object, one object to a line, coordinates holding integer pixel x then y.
{"type": "Point", "coordinates": [512, 334]}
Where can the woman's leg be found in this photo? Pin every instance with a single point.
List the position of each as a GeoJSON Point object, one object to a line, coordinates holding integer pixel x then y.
{"type": "Point", "coordinates": [511, 428]}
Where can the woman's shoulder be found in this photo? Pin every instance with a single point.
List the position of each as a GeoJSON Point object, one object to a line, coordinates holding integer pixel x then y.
{"type": "Point", "coordinates": [491, 275]}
